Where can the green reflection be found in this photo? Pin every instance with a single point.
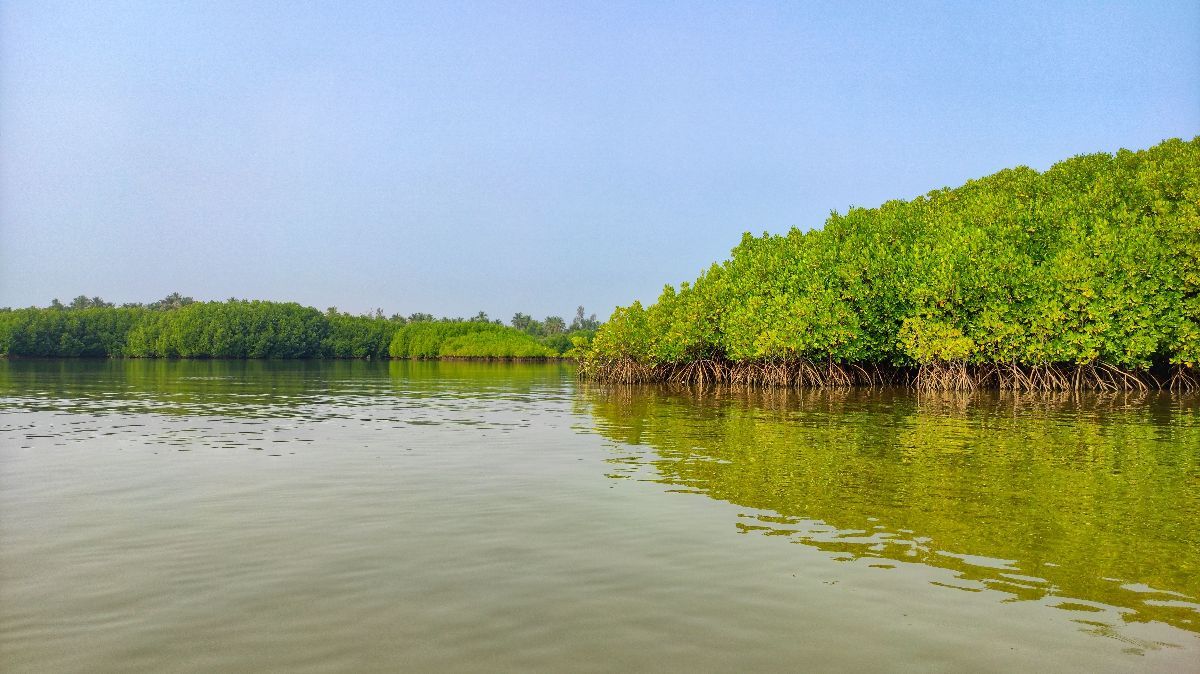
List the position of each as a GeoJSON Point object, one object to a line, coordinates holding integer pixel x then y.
{"type": "Point", "coordinates": [257, 388]}
{"type": "Point", "coordinates": [1087, 499]}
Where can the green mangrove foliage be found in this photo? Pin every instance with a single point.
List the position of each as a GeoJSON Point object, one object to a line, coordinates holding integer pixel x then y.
{"type": "Point", "coordinates": [180, 327]}
{"type": "Point", "coordinates": [555, 333]}
{"type": "Point", "coordinates": [465, 339]}
{"type": "Point", "coordinates": [358, 336]}
{"type": "Point", "coordinates": [230, 330]}
{"type": "Point", "coordinates": [1086, 275]}
{"type": "Point", "coordinates": [87, 332]}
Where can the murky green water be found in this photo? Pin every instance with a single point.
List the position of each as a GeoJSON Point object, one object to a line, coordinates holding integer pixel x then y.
{"type": "Point", "coordinates": [173, 516]}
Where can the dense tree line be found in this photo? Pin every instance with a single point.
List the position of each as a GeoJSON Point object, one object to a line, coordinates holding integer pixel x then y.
{"type": "Point", "coordinates": [465, 339]}
{"type": "Point", "coordinates": [1086, 275]}
{"type": "Point", "coordinates": [555, 333]}
{"type": "Point", "coordinates": [180, 327]}
{"type": "Point", "coordinates": [89, 332]}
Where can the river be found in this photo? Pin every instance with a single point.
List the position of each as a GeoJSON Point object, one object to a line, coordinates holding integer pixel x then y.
{"type": "Point", "coordinates": [456, 516]}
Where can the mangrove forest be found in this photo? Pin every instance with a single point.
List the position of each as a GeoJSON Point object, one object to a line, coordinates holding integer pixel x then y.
{"type": "Point", "coordinates": [180, 327]}
{"type": "Point", "coordinates": [1084, 276]}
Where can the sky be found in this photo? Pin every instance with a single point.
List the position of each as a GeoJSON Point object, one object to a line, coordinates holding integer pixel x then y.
{"type": "Point", "coordinates": [455, 157]}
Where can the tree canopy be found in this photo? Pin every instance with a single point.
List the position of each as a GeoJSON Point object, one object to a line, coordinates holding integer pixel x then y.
{"type": "Point", "coordinates": [1094, 262]}
{"type": "Point", "coordinates": [180, 327]}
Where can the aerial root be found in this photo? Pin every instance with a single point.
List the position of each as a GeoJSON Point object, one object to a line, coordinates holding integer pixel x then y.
{"type": "Point", "coordinates": [936, 376]}
{"type": "Point", "coordinates": [944, 376]}
{"type": "Point", "coordinates": [1095, 376]}
{"type": "Point", "coordinates": [617, 371]}
{"type": "Point", "coordinates": [1183, 379]}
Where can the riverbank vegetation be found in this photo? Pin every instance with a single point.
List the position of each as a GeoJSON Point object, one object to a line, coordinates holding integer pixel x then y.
{"type": "Point", "coordinates": [1085, 276]}
{"type": "Point", "coordinates": [180, 327]}
{"type": "Point", "coordinates": [465, 339]}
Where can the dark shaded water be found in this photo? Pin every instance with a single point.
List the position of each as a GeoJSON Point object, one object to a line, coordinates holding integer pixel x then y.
{"type": "Point", "coordinates": [326, 516]}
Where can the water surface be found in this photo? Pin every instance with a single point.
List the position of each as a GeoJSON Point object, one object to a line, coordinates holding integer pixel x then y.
{"type": "Point", "coordinates": [332, 516]}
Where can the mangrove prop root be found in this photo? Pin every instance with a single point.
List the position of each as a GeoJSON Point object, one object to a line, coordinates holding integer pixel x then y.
{"type": "Point", "coordinates": [935, 376]}
{"type": "Point", "coordinates": [1183, 379]}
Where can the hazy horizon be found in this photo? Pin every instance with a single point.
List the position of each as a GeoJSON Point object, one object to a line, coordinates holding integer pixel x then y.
{"type": "Point", "coordinates": [525, 157]}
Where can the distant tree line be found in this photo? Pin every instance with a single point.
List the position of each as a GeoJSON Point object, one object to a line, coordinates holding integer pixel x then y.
{"type": "Point", "coordinates": [180, 327]}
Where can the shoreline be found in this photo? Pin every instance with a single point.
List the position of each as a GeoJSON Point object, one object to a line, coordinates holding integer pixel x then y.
{"type": "Point", "coordinates": [939, 376]}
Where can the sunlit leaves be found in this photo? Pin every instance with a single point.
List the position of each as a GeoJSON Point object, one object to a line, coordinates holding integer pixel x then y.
{"type": "Point", "coordinates": [1095, 260]}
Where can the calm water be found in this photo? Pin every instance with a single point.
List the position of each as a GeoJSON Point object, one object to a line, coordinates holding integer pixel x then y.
{"type": "Point", "coordinates": [175, 516]}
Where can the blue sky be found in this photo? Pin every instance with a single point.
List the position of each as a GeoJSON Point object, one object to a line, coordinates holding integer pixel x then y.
{"type": "Point", "coordinates": [529, 157]}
